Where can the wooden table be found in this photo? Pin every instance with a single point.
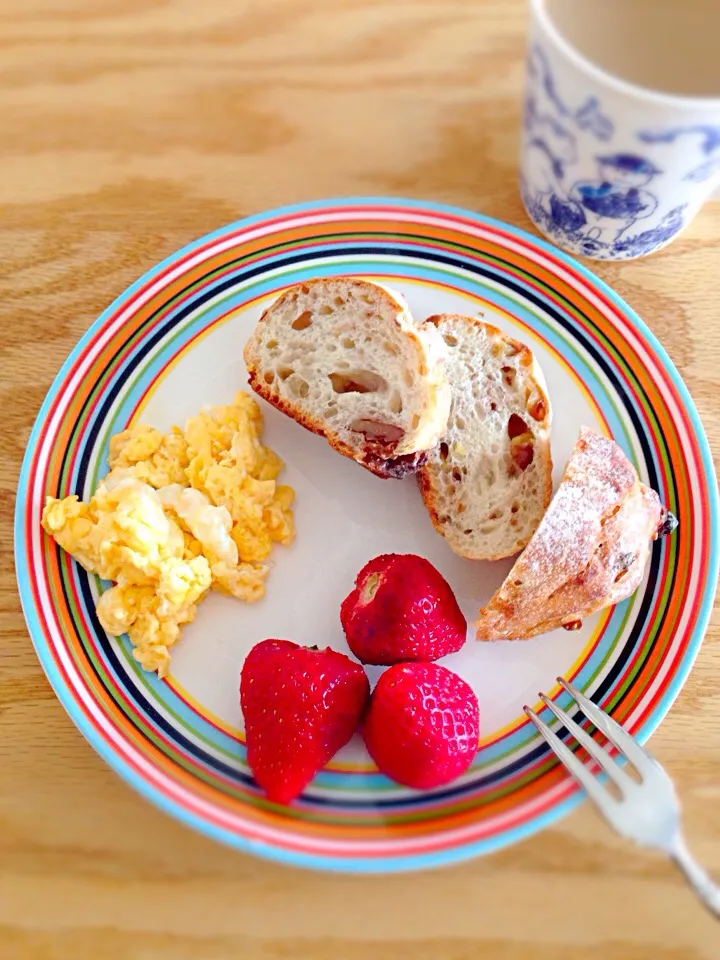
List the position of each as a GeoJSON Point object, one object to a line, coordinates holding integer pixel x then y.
{"type": "Point", "coordinates": [127, 128]}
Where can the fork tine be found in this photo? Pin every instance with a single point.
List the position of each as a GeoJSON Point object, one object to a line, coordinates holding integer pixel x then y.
{"type": "Point", "coordinates": [621, 780]}
{"type": "Point", "coordinates": [594, 789]}
{"type": "Point", "coordinates": [620, 738]}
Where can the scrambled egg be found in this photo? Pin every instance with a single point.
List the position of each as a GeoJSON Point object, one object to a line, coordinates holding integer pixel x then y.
{"type": "Point", "coordinates": [178, 514]}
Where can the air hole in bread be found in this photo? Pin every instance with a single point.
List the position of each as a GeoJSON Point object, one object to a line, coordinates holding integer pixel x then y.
{"type": "Point", "coordinates": [494, 515]}
{"type": "Point", "coordinates": [493, 406]}
{"type": "Point", "coordinates": [269, 377]}
{"type": "Point", "coordinates": [284, 372]}
{"type": "Point", "coordinates": [396, 403]}
{"type": "Point", "coordinates": [415, 421]}
{"type": "Point", "coordinates": [459, 451]}
{"type": "Point", "coordinates": [300, 387]}
{"type": "Point", "coordinates": [271, 344]}
{"type": "Point", "coordinates": [460, 508]}
{"type": "Point", "coordinates": [339, 302]}
{"type": "Point", "coordinates": [517, 583]}
{"type": "Point", "coordinates": [304, 288]}
{"type": "Point", "coordinates": [390, 348]}
{"type": "Point", "coordinates": [450, 340]}
{"type": "Point", "coordinates": [368, 299]}
{"type": "Point", "coordinates": [326, 309]}
{"type": "Point", "coordinates": [457, 475]}
{"type": "Point", "coordinates": [348, 343]}
{"type": "Point", "coordinates": [444, 451]}
{"type": "Point", "coordinates": [516, 426]}
{"type": "Point", "coordinates": [515, 507]}
{"type": "Point", "coordinates": [512, 349]}
{"type": "Point", "coordinates": [409, 378]}
{"type": "Point", "coordinates": [488, 472]}
{"type": "Point", "coordinates": [357, 381]}
{"type": "Point", "coordinates": [467, 532]}
{"type": "Point", "coordinates": [508, 376]}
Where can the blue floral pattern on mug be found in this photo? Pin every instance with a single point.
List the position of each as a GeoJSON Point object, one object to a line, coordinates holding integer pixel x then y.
{"type": "Point", "coordinates": [615, 212]}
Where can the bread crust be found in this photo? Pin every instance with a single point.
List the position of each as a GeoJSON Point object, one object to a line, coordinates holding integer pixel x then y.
{"type": "Point", "coordinates": [589, 552]}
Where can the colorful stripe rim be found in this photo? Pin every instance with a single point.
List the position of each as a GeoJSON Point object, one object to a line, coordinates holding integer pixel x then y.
{"type": "Point", "coordinates": [658, 426]}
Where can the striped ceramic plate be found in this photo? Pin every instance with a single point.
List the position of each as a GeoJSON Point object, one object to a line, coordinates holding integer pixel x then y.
{"type": "Point", "coordinates": [173, 343]}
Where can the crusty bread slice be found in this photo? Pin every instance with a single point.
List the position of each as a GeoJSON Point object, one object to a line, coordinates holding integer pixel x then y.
{"type": "Point", "coordinates": [488, 483]}
{"type": "Point", "coordinates": [589, 552]}
{"type": "Point", "coordinates": [345, 358]}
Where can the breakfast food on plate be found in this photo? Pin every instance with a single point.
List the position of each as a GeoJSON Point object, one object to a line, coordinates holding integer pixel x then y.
{"type": "Point", "coordinates": [422, 725]}
{"type": "Point", "coordinates": [589, 551]}
{"type": "Point", "coordinates": [488, 483]}
{"type": "Point", "coordinates": [301, 705]}
{"type": "Point", "coordinates": [345, 358]}
{"type": "Point", "coordinates": [123, 534]}
{"type": "Point", "coordinates": [178, 513]}
{"type": "Point", "coordinates": [402, 609]}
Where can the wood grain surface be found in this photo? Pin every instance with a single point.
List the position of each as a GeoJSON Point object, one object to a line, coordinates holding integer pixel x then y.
{"type": "Point", "coordinates": [127, 128]}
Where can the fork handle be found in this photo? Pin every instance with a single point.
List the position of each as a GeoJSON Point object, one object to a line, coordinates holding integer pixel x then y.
{"type": "Point", "coordinates": [707, 891]}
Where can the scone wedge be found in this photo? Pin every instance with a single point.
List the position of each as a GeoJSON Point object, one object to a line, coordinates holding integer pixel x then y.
{"type": "Point", "coordinates": [589, 552]}
{"type": "Point", "coordinates": [344, 357]}
{"type": "Point", "coordinates": [488, 483]}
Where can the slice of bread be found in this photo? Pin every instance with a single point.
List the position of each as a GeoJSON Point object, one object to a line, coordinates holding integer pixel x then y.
{"type": "Point", "coordinates": [345, 358]}
{"type": "Point", "coordinates": [488, 483]}
{"type": "Point", "coordinates": [589, 552]}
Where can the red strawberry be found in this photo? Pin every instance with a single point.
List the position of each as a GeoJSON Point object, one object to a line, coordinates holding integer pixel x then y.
{"type": "Point", "coordinates": [301, 705]}
{"type": "Point", "coordinates": [402, 609]}
{"type": "Point", "coordinates": [422, 725]}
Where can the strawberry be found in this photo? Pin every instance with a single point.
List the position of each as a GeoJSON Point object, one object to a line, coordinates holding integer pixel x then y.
{"type": "Point", "coordinates": [402, 609]}
{"type": "Point", "coordinates": [301, 705]}
{"type": "Point", "coordinates": [422, 725]}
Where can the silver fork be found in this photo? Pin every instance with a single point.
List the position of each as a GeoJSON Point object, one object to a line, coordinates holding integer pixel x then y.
{"type": "Point", "coordinates": [648, 811]}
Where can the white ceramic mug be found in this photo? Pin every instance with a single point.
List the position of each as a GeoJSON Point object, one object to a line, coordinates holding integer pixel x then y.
{"type": "Point", "coordinates": [621, 139]}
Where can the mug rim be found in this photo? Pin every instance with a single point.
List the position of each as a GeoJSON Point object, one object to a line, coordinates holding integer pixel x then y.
{"type": "Point", "coordinates": [610, 79]}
